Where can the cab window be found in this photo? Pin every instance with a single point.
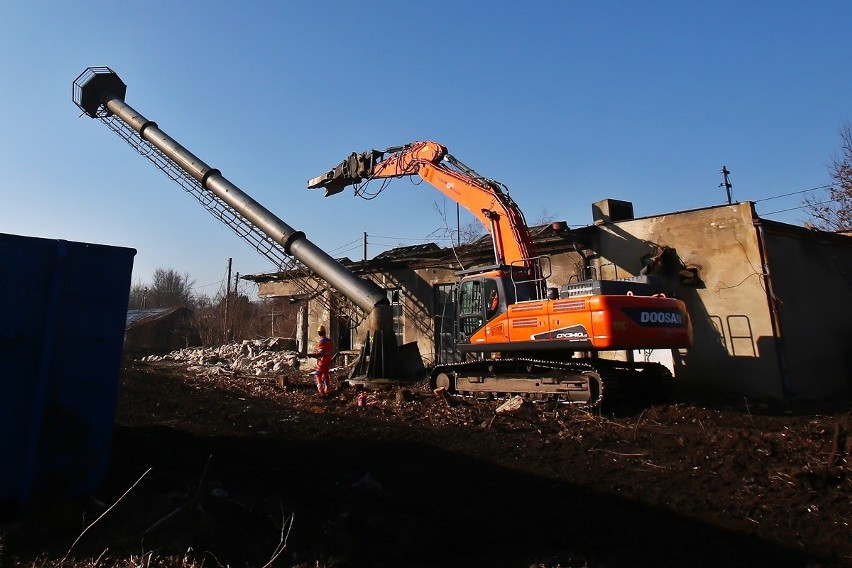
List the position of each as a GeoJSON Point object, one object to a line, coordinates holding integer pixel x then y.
{"type": "Point", "coordinates": [471, 312]}
{"type": "Point", "coordinates": [470, 298]}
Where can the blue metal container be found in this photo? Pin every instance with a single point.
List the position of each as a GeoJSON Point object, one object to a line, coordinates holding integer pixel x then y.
{"type": "Point", "coordinates": [63, 307]}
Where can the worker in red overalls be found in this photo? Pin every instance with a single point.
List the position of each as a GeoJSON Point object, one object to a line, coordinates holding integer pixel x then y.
{"type": "Point", "coordinates": [323, 353]}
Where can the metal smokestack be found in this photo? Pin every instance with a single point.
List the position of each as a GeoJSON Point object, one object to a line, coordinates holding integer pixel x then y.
{"type": "Point", "coordinates": [100, 88]}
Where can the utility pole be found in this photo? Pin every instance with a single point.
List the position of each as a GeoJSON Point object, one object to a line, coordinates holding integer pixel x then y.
{"type": "Point", "coordinates": [726, 183]}
{"type": "Point", "coordinates": [236, 294]}
{"type": "Point", "coordinates": [365, 245]}
{"type": "Point", "coordinates": [227, 299]}
{"type": "Point", "coordinates": [458, 226]}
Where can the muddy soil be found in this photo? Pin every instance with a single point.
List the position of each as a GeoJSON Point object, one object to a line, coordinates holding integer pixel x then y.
{"type": "Point", "coordinates": [245, 471]}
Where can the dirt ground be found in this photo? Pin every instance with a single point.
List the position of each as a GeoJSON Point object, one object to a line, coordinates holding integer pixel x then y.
{"type": "Point", "coordinates": [244, 472]}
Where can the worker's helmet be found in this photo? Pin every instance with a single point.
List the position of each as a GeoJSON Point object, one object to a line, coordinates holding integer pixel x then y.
{"type": "Point", "coordinates": [321, 330]}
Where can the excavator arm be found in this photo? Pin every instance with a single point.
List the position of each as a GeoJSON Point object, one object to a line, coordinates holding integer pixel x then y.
{"type": "Point", "coordinates": [486, 199]}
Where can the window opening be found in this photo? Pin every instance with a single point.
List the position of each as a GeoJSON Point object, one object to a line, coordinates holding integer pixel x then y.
{"type": "Point", "coordinates": [445, 324]}
{"type": "Point", "coordinates": [395, 299]}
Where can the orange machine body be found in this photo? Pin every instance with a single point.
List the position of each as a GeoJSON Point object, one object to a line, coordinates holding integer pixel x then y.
{"type": "Point", "coordinates": [587, 323]}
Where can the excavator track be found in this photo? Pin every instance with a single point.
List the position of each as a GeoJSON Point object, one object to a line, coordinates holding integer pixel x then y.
{"type": "Point", "coordinates": [584, 382]}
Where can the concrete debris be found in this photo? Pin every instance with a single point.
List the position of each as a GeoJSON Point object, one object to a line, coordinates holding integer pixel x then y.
{"type": "Point", "coordinates": [514, 404]}
{"type": "Point", "coordinates": [258, 357]}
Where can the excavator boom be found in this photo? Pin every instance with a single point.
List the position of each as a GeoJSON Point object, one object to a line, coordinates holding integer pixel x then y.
{"type": "Point", "coordinates": [486, 199]}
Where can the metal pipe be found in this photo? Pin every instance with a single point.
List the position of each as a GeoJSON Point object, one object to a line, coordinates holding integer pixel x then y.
{"type": "Point", "coordinates": [104, 88]}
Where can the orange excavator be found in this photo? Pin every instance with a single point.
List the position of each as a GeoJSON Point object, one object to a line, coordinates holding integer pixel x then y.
{"type": "Point", "coordinates": [523, 336]}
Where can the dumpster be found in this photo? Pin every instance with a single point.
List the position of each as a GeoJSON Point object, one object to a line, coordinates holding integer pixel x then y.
{"type": "Point", "coordinates": [63, 307]}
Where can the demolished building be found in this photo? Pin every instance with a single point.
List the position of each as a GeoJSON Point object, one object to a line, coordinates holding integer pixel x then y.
{"type": "Point", "coordinates": [770, 302]}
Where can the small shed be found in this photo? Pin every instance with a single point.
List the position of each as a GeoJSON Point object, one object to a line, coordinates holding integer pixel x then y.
{"type": "Point", "coordinates": [159, 330]}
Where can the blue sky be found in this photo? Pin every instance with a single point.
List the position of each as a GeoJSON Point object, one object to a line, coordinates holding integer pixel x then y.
{"type": "Point", "coordinates": [565, 102]}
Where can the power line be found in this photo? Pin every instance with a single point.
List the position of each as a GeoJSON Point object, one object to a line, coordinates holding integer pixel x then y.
{"type": "Point", "coordinates": [826, 186]}
{"type": "Point", "coordinates": [410, 239]}
{"type": "Point", "coordinates": [799, 207]}
{"type": "Point", "coordinates": [206, 285]}
{"type": "Point", "coordinates": [345, 251]}
{"type": "Point", "coordinates": [349, 244]}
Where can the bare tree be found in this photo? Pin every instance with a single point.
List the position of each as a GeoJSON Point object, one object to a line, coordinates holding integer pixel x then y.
{"type": "Point", "coordinates": [276, 317]}
{"type": "Point", "coordinates": [471, 232]}
{"type": "Point", "coordinates": [246, 319]}
{"type": "Point", "coordinates": [243, 320]}
{"type": "Point", "coordinates": [138, 296]}
{"type": "Point", "coordinates": [834, 211]}
{"type": "Point", "coordinates": [167, 288]}
{"type": "Point", "coordinates": [465, 234]}
{"type": "Point", "coordinates": [473, 229]}
{"type": "Point", "coordinates": [207, 318]}
{"type": "Point", "coordinates": [545, 217]}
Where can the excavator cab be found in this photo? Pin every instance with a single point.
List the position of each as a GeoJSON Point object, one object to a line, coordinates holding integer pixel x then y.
{"type": "Point", "coordinates": [483, 298]}
{"type": "Point", "coordinates": [471, 308]}
{"type": "Point", "coordinates": [480, 299]}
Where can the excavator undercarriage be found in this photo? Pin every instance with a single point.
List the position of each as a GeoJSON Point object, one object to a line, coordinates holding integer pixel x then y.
{"type": "Point", "coordinates": [583, 382]}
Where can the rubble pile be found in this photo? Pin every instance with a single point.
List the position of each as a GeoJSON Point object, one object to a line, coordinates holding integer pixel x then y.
{"type": "Point", "coordinates": [258, 357]}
